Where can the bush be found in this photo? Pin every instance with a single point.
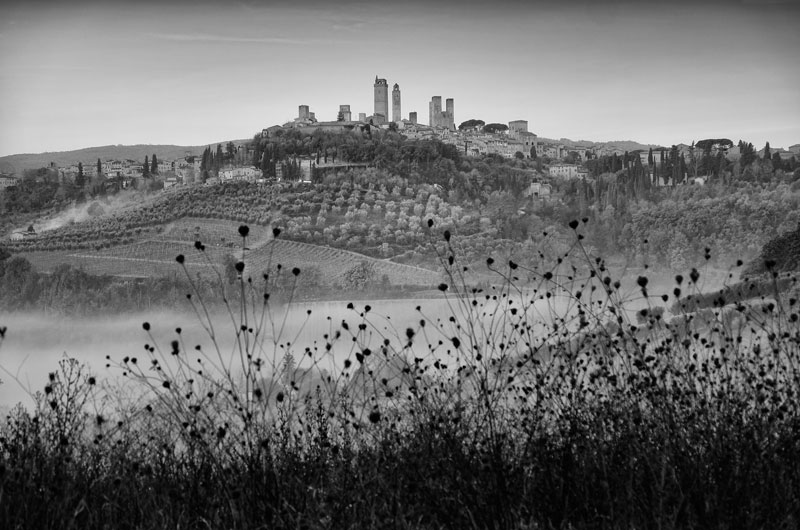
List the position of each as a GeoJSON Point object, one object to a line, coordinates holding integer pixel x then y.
{"type": "Point", "coordinates": [522, 407]}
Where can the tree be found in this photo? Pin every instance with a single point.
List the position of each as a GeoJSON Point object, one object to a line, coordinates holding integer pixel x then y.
{"type": "Point", "coordinates": [340, 116]}
{"type": "Point", "coordinates": [683, 169]}
{"type": "Point", "coordinates": [154, 165]}
{"type": "Point", "coordinates": [471, 124]}
{"type": "Point", "coordinates": [265, 165]}
{"type": "Point", "coordinates": [146, 168]}
{"type": "Point", "coordinates": [519, 155]}
{"type": "Point", "coordinates": [748, 153]}
{"type": "Point", "coordinates": [650, 159]}
{"type": "Point", "coordinates": [218, 158]}
{"type": "Point", "coordinates": [533, 153]}
{"type": "Point", "coordinates": [777, 162]}
{"type": "Point", "coordinates": [359, 276]}
{"type": "Point", "coordinates": [99, 168]}
{"type": "Point", "coordinates": [80, 180]}
{"type": "Point", "coordinates": [767, 153]}
{"type": "Point", "coordinates": [495, 128]}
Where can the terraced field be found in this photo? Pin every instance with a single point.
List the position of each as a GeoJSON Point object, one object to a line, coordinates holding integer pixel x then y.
{"type": "Point", "coordinates": [153, 257]}
{"type": "Point", "coordinates": [214, 232]}
{"type": "Point", "coordinates": [142, 259]}
{"type": "Point", "coordinates": [334, 263]}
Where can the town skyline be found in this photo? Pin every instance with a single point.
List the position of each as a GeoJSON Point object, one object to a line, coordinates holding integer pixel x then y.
{"type": "Point", "coordinates": [98, 74]}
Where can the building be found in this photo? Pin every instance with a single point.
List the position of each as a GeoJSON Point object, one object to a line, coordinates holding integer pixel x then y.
{"type": "Point", "coordinates": [397, 116]}
{"type": "Point", "coordinates": [344, 113]}
{"type": "Point", "coordinates": [434, 111]}
{"type": "Point", "coordinates": [7, 181]}
{"type": "Point", "coordinates": [248, 173]}
{"type": "Point", "coordinates": [529, 142]}
{"type": "Point", "coordinates": [438, 118]}
{"type": "Point", "coordinates": [538, 190]}
{"type": "Point", "coordinates": [164, 167]}
{"type": "Point", "coordinates": [412, 117]}
{"type": "Point", "coordinates": [362, 117]}
{"type": "Point", "coordinates": [569, 171]}
{"type": "Point", "coordinates": [304, 117]}
{"type": "Point", "coordinates": [381, 113]}
{"type": "Point", "coordinates": [269, 131]}
{"type": "Point", "coordinates": [303, 112]}
{"type": "Point", "coordinates": [450, 114]}
{"type": "Point", "coordinates": [517, 126]}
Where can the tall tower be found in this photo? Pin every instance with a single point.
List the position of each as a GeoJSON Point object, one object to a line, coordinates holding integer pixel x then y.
{"type": "Point", "coordinates": [449, 114]}
{"type": "Point", "coordinates": [435, 110]}
{"type": "Point", "coordinates": [381, 100]}
{"type": "Point", "coordinates": [302, 112]}
{"type": "Point", "coordinates": [396, 115]}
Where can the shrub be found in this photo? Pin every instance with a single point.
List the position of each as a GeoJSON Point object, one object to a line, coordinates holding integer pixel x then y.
{"type": "Point", "coordinates": [530, 406]}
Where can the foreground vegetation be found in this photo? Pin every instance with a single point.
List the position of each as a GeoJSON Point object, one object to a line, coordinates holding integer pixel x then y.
{"type": "Point", "coordinates": [548, 405]}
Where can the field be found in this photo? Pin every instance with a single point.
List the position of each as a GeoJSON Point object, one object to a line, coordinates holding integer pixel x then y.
{"type": "Point", "coordinates": [155, 256]}
{"type": "Point", "coordinates": [213, 232]}
{"type": "Point", "coordinates": [334, 263]}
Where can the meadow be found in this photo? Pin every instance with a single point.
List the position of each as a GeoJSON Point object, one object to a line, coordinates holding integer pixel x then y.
{"type": "Point", "coordinates": [544, 405]}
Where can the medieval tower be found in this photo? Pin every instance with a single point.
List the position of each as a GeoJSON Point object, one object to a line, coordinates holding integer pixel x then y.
{"type": "Point", "coordinates": [434, 111]}
{"type": "Point", "coordinates": [396, 114]}
{"type": "Point", "coordinates": [381, 113]}
{"type": "Point", "coordinates": [441, 118]}
{"type": "Point", "coordinates": [450, 120]}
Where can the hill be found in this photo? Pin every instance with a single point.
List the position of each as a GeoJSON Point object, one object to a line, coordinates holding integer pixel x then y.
{"type": "Point", "coordinates": [21, 162]}
{"type": "Point", "coordinates": [626, 145]}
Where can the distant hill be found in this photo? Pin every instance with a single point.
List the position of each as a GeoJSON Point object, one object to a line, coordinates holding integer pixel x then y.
{"type": "Point", "coordinates": [625, 145]}
{"type": "Point", "coordinates": [89, 155]}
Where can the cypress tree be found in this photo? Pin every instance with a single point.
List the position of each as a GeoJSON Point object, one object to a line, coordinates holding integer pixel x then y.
{"type": "Point", "coordinates": [767, 153]}
{"type": "Point", "coordinates": [777, 162]}
{"type": "Point", "coordinates": [146, 168]}
{"type": "Point", "coordinates": [683, 168]}
{"type": "Point", "coordinates": [80, 180]}
{"type": "Point", "coordinates": [154, 165]}
{"type": "Point", "coordinates": [218, 158]}
{"type": "Point", "coordinates": [99, 168]}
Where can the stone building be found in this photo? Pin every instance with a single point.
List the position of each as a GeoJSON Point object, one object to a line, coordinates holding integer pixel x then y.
{"type": "Point", "coordinates": [381, 113]}
{"type": "Point", "coordinates": [439, 118]}
{"type": "Point", "coordinates": [396, 114]}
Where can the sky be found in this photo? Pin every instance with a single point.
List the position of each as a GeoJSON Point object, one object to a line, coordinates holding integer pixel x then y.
{"type": "Point", "coordinates": [195, 73]}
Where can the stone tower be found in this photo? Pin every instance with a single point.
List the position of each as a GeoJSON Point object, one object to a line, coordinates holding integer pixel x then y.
{"type": "Point", "coordinates": [396, 114]}
{"type": "Point", "coordinates": [381, 100]}
{"type": "Point", "coordinates": [435, 111]}
{"type": "Point", "coordinates": [449, 114]}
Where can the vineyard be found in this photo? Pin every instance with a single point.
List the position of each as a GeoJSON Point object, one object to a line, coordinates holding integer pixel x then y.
{"type": "Point", "coordinates": [141, 259]}
{"type": "Point", "coordinates": [213, 232]}
{"type": "Point", "coordinates": [156, 257]}
{"type": "Point", "coordinates": [333, 263]}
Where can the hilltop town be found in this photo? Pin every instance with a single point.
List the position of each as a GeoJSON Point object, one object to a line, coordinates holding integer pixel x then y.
{"type": "Point", "coordinates": [236, 161]}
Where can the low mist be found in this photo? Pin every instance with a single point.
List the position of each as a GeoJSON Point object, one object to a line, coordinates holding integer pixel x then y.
{"type": "Point", "coordinates": [78, 213]}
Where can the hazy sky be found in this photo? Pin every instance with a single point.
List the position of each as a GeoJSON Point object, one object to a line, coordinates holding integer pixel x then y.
{"type": "Point", "coordinates": [192, 73]}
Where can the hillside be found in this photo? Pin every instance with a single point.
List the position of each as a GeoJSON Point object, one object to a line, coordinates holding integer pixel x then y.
{"type": "Point", "coordinates": [627, 145]}
{"type": "Point", "coordinates": [21, 162]}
